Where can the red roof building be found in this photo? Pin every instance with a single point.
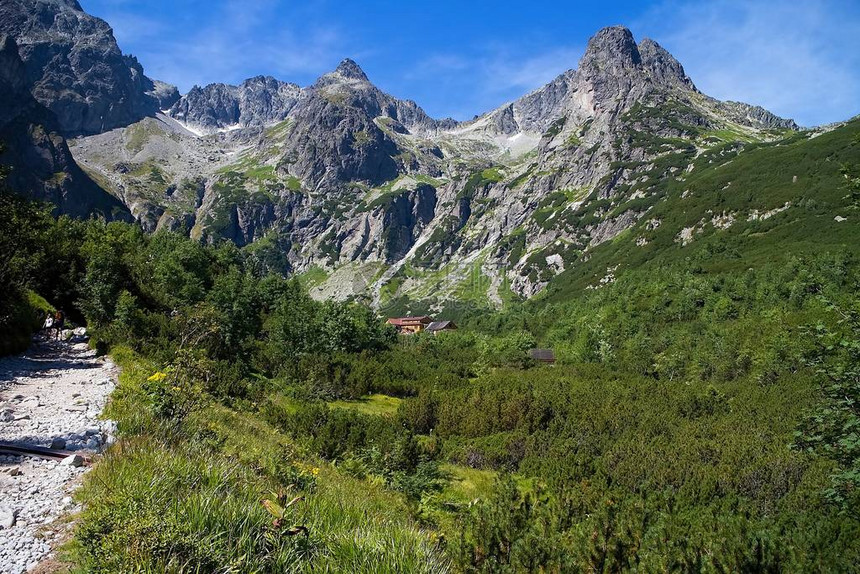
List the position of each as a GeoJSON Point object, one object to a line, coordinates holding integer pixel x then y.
{"type": "Point", "coordinates": [410, 325]}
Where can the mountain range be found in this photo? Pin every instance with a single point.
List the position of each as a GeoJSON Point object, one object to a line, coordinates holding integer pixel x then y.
{"type": "Point", "coordinates": [359, 192]}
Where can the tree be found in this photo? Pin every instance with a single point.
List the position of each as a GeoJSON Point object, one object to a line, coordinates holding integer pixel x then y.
{"type": "Point", "coordinates": [832, 430]}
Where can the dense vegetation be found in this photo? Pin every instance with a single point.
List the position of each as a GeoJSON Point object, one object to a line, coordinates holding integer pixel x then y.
{"type": "Point", "coordinates": [703, 414]}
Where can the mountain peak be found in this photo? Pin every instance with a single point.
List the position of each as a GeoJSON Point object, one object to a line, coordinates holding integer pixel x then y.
{"type": "Point", "coordinates": [611, 45]}
{"type": "Point", "coordinates": [662, 65]}
{"type": "Point", "coordinates": [350, 70]}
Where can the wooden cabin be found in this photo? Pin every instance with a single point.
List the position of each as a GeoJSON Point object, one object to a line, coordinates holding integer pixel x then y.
{"type": "Point", "coordinates": [437, 327]}
{"type": "Point", "coordinates": [410, 325]}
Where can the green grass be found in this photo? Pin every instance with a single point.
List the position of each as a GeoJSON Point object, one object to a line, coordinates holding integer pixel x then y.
{"type": "Point", "coordinates": [421, 178]}
{"type": "Point", "coordinates": [473, 288]}
{"type": "Point", "coordinates": [313, 277]}
{"type": "Point", "coordinates": [760, 177]}
{"type": "Point", "coordinates": [507, 295]}
{"type": "Point", "coordinates": [467, 483]}
{"type": "Point", "coordinates": [169, 499]}
{"type": "Point", "coordinates": [280, 130]}
{"type": "Point", "coordinates": [728, 135]}
{"type": "Point", "coordinates": [137, 135]}
{"type": "Point", "coordinates": [294, 184]}
{"type": "Point", "coordinates": [389, 290]}
{"type": "Point", "coordinates": [251, 168]}
{"type": "Point", "coordinates": [492, 174]}
{"type": "Point", "coordinates": [386, 198]}
{"type": "Point", "coordinates": [479, 180]}
{"type": "Point", "coordinates": [376, 404]}
{"type": "Point", "coordinates": [261, 173]}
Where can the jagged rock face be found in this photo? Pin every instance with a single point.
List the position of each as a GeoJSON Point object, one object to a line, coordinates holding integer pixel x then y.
{"type": "Point", "coordinates": [75, 68]}
{"type": "Point", "coordinates": [349, 84]}
{"type": "Point", "coordinates": [42, 165]}
{"type": "Point", "coordinates": [404, 220]}
{"type": "Point", "coordinates": [756, 115]}
{"type": "Point", "coordinates": [537, 109]}
{"type": "Point", "coordinates": [212, 107]}
{"type": "Point", "coordinates": [347, 176]}
{"type": "Point", "coordinates": [336, 141]}
{"type": "Point", "coordinates": [335, 135]}
{"type": "Point", "coordinates": [256, 102]}
{"type": "Point", "coordinates": [662, 67]}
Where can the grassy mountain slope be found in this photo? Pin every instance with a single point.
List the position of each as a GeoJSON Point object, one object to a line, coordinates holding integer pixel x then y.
{"type": "Point", "coordinates": [696, 419]}
{"type": "Point", "coordinates": [743, 205]}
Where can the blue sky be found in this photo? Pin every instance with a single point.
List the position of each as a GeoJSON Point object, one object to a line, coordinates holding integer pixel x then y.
{"type": "Point", "coordinates": [798, 58]}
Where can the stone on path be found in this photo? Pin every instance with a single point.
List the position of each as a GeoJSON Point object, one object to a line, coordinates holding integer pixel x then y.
{"type": "Point", "coordinates": [75, 460]}
{"type": "Point", "coordinates": [7, 517]}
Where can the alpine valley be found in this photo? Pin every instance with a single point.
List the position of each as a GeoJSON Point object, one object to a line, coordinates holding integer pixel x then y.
{"type": "Point", "coordinates": [611, 326]}
{"type": "Point", "coordinates": [364, 194]}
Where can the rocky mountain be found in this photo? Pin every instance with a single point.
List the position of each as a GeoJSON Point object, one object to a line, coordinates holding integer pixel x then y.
{"type": "Point", "coordinates": [256, 102]}
{"type": "Point", "coordinates": [76, 70]}
{"type": "Point", "coordinates": [372, 196]}
{"type": "Point", "coordinates": [42, 165]}
{"type": "Point", "coordinates": [364, 193]}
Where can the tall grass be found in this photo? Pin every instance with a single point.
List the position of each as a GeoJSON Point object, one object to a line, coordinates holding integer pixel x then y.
{"type": "Point", "coordinates": [188, 499]}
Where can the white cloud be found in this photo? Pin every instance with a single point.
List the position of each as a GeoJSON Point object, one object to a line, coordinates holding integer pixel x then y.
{"type": "Point", "coordinates": [131, 28]}
{"type": "Point", "coordinates": [798, 59]}
{"type": "Point", "coordinates": [229, 42]}
{"type": "Point", "coordinates": [497, 74]}
{"type": "Point", "coordinates": [529, 73]}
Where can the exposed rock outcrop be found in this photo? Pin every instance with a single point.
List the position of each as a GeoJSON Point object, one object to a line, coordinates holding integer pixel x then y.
{"type": "Point", "coordinates": [41, 164]}
{"type": "Point", "coordinates": [347, 177]}
{"type": "Point", "coordinates": [258, 101]}
{"type": "Point", "coordinates": [75, 68]}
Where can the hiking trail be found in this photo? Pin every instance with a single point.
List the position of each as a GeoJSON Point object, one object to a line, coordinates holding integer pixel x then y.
{"type": "Point", "coordinates": [51, 396]}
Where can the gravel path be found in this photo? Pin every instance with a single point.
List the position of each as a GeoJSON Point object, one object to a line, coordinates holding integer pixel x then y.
{"type": "Point", "coordinates": [51, 394]}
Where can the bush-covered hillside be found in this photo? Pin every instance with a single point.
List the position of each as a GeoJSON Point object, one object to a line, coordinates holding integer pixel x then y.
{"type": "Point", "coordinates": [702, 415]}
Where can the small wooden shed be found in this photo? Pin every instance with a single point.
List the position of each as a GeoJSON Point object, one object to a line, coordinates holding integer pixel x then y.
{"type": "Point", "coordinates": [542, 355]}
{"type": "Point", "coordinates": [438, 326]}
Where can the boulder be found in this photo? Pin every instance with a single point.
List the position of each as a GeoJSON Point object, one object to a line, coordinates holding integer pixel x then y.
{"type": "Point", "coordinates": [8, 517]}
{"type": "Point", "coordinates": [75, 460]}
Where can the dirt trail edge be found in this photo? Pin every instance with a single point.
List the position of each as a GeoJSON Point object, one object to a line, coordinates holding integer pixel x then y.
{"type": "Point", "coordinates": [50, 396]}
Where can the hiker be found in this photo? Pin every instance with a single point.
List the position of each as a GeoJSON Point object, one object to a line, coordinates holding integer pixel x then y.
{"type": "Point", "coordinates": [59, 322]}
{"type": "Point", "coordinates": [49, 323]}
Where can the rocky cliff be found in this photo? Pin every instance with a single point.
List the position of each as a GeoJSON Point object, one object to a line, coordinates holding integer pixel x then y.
{"type": "Point", "coordinates": [75, 68]}
{"type": "Point", "coordinates": [256, 102]}
{"type": "Point", "coordinates": [41, 163]}
{"type": "Point", "coordinates": [366, 189]}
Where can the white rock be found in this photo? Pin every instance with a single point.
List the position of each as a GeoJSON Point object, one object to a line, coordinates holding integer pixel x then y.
{"type": "Point", "coordinates": [7, 517]}
{"type": "Point", "coordinates": [75, 460]}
